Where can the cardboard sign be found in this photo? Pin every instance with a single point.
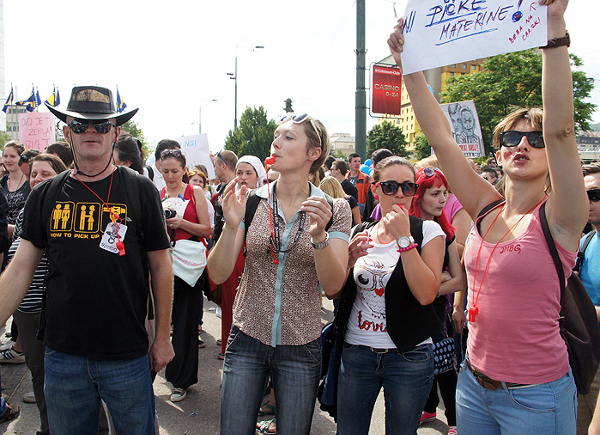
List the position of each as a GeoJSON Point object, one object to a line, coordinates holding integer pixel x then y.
{"type": "Point", "coordinates": [197, 152]}
{"type": "Point", "coordinates": [446, 32]}
{"type": "Point", "coordinates": [36, 130]}
{"type": "Point", "coordinates": [465, 127]}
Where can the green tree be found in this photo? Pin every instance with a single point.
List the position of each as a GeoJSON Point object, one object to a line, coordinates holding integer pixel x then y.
{"type": "Point", "coordinates": [288, 106]}
{"type": "Point", "coordinates": [132, 128]}
{"type": "Point", "coordinates": [253, 135]}
{"type": "Point", "coordinates": [4, 137]}
{"type": "Point", "coordinates": [422, 147]}
{"type": "Point", "coordinates": [387, 135]}
{"type": "Point", "coordinates": [514, 80]}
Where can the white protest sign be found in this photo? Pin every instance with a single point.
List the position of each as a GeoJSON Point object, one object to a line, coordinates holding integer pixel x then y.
{"type": "Point", "coordinates": [36, 130]}
{"type": "Point", "coordinates": [465, 127]}
{"type": "Point", "coordinates": [196, 151]}
{"type": "Point", "coordinates": [445, 32]}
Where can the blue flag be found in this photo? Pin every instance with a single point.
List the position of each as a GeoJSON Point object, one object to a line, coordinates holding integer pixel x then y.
{"type": "Point", "coordinates": [120, 103]}
{"type": "Point", "coordinates": [9, 100]}
{"type": "Point", "coordinates": [30, 102]}
{"type": "Point", "coordinates": [54, 99]}
{"type": "Point", "coordinates": [38, 100]}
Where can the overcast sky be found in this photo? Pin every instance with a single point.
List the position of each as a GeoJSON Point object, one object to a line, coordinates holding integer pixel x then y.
{"type": "Point", "coordinates": [171, 58]}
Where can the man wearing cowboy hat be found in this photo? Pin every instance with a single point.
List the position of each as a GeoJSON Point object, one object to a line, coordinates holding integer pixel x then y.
{"type": "Point", "coordinates": [102, 228]}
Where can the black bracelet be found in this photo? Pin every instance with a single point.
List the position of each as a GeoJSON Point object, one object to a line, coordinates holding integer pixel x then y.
{"type": "Point", "coordinates": [558, 42]}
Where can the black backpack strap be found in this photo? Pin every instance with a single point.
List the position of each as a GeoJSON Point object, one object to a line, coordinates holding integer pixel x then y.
{"type": "Point", "coordinates": [581, 253]}
{"type": "Point", "coordinates": [252, 201]}
{"type": "Point", "coordinates": [150, 172]}
{"type": "Point", "coordinates": [486, 210]}
{"type": "Point", "coordinates": [553, 252]}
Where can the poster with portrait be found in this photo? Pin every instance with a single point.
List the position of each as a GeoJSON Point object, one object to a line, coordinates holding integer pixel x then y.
{"type": "Point", "coordinates": [465, 126]}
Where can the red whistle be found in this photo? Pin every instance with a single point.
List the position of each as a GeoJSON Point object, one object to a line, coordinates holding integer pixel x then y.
{"type": "Point", "coordinates": [473, 311]}
{"type": "Point", "coordinates": [270, 160]}
{"type": "Point", "coordinates": [121, 248]}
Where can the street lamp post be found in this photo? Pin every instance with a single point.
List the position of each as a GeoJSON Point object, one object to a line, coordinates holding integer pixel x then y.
{"type": "Point", "coordinates": [234, 76]}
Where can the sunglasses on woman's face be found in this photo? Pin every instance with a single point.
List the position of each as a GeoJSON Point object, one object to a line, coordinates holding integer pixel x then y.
{"type": "Point", "coordinates": [391, 187]}
{"type": "Point", "coordinates": [594, 195]}
{"type": "Point", "coordinates": [102, 127]}
{"type": "Point", "coordinates": [512, 138]}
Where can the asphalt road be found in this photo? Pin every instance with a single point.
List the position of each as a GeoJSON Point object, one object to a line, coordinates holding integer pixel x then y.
{"type": "Point", "coordinates": [198, 414]}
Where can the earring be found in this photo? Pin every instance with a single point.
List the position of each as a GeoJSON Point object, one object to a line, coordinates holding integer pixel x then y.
{"type": "Point", "coordinates": [376, 196]}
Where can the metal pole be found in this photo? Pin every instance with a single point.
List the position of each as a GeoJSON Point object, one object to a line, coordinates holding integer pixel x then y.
{"type": "Point", "coordinates": [235, 78]}
{"type": "Point", "coordinates": [200, 119]}
{"type": "Point", "coordinates": [360, 123]}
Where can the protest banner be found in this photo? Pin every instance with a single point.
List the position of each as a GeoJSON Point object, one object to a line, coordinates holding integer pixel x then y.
{"type": "Point", "coordinates": [36, 130]}
{"type": "Point", "coordinates": [386, 90]}
{"type": "Point", "coordinates": [465, 127]}
{"type": "Point", "coordinates": [197, 152]}
{"type": "Point", "coordinates": [446, 32]}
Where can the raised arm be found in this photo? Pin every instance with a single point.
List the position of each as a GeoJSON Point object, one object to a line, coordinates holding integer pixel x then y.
{"type": "Point", "coordinates": [567, 206]}
{"type": "Point", "coordinates": [472, 191]}
{"type": "Point", "coordinates": [224, 254]}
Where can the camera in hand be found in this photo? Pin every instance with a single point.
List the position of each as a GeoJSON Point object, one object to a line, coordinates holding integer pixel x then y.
{"type": "Point", "coordinates": [169, 213]}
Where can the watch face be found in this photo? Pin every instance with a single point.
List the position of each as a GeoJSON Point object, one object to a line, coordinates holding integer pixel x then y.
{"type": "Point", "coordinates": [403, 242]}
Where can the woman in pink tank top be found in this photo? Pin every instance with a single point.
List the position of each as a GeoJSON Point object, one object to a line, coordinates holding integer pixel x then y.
{"type": "Point", "coordinates": [516, 378]}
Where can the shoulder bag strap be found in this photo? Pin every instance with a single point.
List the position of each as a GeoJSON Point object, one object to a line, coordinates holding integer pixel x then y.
{"type": "Point", "coordinates": [553, 252]}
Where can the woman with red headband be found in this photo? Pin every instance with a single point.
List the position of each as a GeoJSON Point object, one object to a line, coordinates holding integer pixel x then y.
{"type": "Point", "coordinates": [296, 244]}
{"type": "Point", "coordinates": [428, 204]}
{"type": "Point", "coordinates": [516, 378]}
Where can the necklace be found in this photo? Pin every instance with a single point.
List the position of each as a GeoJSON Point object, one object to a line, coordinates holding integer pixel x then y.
{"type": "Point", "coordinates": [474, 310]}
{"type": "Point", "coordinates": [20, 181]}
{"type": "Point", "coordinates": [167, 195]}
{"type": "Point", "coordinates": [275, 239]}
{"type": "Point", "coordinates": [377, 236]}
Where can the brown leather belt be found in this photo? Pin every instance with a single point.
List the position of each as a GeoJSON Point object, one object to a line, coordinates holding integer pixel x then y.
{"type": "Point", "coordinates": [489, 383]}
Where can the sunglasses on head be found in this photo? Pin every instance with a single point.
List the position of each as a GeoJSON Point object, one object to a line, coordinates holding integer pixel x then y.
{"type": "Point", "coordinates": [299, 119]}
{"type": "Point", "coordinates": [221, 157]}
{"type": "Point", "coordinates": [594, 195]}
{"type": "Point", "coordinates": [171, 152]}
{"type": "Point", "coordinates": [391, 187]}
{"type": "Point", "coordinates": [429, 171]}
{"type": "Point", "coordinates": [101, 126]}
{"type": "Point", "coordinates": [512, 138]}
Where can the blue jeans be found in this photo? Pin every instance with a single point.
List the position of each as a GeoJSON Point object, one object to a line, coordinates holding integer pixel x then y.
{"type": "Point", "coordinates": [295, 371]}
{"type": "Point", "coordinates": [3, 404]}
{"type": "Point", "coordinates": [75, 385]}
{"type": "Point", "coordinates": [549, 408]}
{"type": "Point", "coordinates": [406, 379]}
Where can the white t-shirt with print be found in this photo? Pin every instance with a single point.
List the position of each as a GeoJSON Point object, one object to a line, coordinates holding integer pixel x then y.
{"type": "Point", "coordinates": [367, 324]}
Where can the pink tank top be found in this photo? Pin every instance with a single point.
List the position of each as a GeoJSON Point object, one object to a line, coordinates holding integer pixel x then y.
{"type": "Point", "coordinates": [515, 337]}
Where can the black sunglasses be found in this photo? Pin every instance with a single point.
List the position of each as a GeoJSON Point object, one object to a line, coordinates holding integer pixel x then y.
{"type": "Point", "coordinates": [171, 152]}
{"type": "Point", "coordinates": [594, 195]}
{"type": "Point", "coordinates": [512, 138]}
{"type": "Point", "coordinates": [221, 157]}
{"type": "Point", "coordinates": [391, 187]}
{"type": "Point", "coordinates": [101, 126]}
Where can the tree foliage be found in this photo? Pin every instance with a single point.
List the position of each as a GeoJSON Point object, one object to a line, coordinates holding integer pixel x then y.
{"type": "Point", "coordinates": [288, 105]}
{"type": "Point", "coordinates": [387, 135]}
{"type": "Point", "coordinates": [253, 135]}
{"type": "Point", "coordinates": [514, 80]}
{"type": "Point", "coordinates": [132, 128]}
{"type": "Point", "coordinates": [422, 147]}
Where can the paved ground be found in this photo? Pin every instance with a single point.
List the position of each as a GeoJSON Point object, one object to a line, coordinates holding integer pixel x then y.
{"type": "Point", "coordinates": [198, 414]}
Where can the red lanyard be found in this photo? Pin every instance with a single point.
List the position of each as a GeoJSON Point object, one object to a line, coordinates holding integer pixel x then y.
{"type": "Point", "coordinates": [120, 246]}
{"type": "Point", "coordinates": [474, 310]}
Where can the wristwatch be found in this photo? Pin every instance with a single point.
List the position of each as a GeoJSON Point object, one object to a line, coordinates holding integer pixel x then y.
{"type": "Point", "coordinates": [404, 242]}
{"type": "Point", "coordinates": [323, 244]}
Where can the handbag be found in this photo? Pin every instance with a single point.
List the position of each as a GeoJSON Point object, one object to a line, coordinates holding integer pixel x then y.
{"type": "Point", "coordinates": [189, 260]}
{"type": "Point", "coordinates": [578, 320]}
{"type": "Point", "coordinates": [443, 356]}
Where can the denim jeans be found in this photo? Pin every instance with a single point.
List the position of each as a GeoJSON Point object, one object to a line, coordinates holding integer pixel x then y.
{"type": "Point", "coordinates": [75, 385]}
{"type": "Point", "coordinates": [406, 379]}
{"type": "Point", "coordinates": [549, 408]}
{"type": "Point", "coordinates": [3, 404]}
{"type": "Point", "coordinates": [295, 371]}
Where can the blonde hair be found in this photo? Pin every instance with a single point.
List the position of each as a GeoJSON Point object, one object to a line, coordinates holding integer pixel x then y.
{"type": "Point", "coordinates": [332, 187]}
{"type": "Point", "coordinates": [533, 116]}
{"type": "Point", "coordinates": [428, 161]}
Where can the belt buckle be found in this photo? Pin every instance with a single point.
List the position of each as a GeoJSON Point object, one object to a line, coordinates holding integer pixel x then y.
{"type": "Point", "coordinates": [379, 351]}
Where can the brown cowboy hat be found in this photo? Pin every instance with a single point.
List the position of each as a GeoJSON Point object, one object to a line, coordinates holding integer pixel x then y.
{"type": "Point", "coordinates": [92, 102]}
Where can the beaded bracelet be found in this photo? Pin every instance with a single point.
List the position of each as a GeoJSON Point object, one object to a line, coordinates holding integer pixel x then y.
{"type": "Point", "coordinates": [408, 248]}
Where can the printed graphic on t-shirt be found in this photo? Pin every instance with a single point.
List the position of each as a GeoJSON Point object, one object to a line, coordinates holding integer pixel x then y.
{"type": "Point", "coordinates": [371, 280]}
{"type": "Point", "coordinates": [84, 220]}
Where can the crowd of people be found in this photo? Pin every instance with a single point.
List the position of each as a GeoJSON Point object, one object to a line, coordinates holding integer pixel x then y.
{"type": "Point", "coordinates": [107, 262]}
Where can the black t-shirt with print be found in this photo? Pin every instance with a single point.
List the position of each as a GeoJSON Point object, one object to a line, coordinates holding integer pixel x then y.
{"type": "Point", "coordinates": [96, 301]}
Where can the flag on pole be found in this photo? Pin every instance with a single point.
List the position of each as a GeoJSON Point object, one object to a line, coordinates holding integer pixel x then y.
{"type": "Point", "coordinates": [30, 102]}
{"type": "Point", "coordinates": [38, 100]}
{"type": "Point", "coordinates": [9, 100]}
{"type": "Point", "coordinates": [121, 106]}
{"type": "Point", "coordinates": [54, 99]}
